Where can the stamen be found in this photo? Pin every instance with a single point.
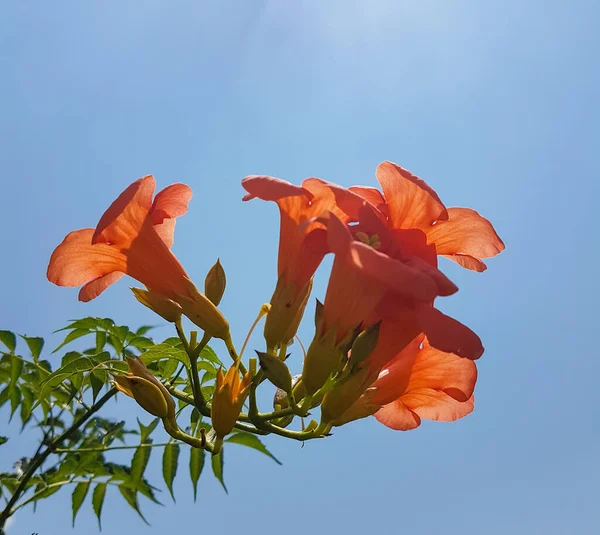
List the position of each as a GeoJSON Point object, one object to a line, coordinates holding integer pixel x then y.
{"type": "Point", "coordinates": [264, 310]}
{"type": "Point", "coordinates": [301, 345]}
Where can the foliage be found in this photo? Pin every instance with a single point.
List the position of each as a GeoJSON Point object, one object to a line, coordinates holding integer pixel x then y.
{"type": "Point", "coordinates": [59, 398]}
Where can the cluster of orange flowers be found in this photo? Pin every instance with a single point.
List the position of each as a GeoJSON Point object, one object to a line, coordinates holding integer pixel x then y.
{"type": "Point", "coordinates": [380, 347]}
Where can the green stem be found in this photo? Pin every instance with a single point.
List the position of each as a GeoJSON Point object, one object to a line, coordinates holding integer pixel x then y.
{"type": "Point", "coordinates": [234, 355]}
{"type": "Point", "coordinates": [288, 411]}
{"type": "Point", "coordinates": [110, 448]}
{"type": "Point", "coordinates": [198, 349]}
{"type": "Point", "coordinates": [199, 400]}
{"type": "Point", "coordinates": [179, 394]}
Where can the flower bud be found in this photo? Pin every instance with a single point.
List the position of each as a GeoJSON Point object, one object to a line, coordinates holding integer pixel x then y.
{"type": "Point", "coordinates": [228, 399]}
{"type": "Point", "coordinates": [146, 393]}
{"type": "Point", "coordinates": [164, 307]}
{"type": "Point", "coordinates": [359, 409]}
{"type": "Point", "coordinates": [323, 358]}
{"type": "Point", "coordinates": [276, 371]}
{"type": "Point", "coordinates": [345, 394]}
{"type": "Point", "coordinates": [135, 385]}
{"type": "Point", "coordinates": [215, 282]}
{"type": "Point", "coordinates": [287, 309]}
{"type": "Point", "coordinates": [203, 313]}
{"type": "Point", "coordinates": [364, 344]}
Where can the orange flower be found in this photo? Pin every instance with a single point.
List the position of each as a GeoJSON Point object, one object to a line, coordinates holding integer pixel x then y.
{"type": "Point", "coordinates": [302, 243]}
{"type": "Point", "coordinates": [459, 234]}
{"type": "Point", "coordinates": [420, 382]}
{"type": "Point", "coordinates": [228, 399]}
{"type": "Point", "coordinates": [379, 275]}
{"type": "Point", "coordinates": [375, 276]}
{"type": "Point", "coordinates": [134, 237]}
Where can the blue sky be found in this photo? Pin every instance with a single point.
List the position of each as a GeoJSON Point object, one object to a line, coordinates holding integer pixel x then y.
{"type": "Point", "coordinates": [495, 104]}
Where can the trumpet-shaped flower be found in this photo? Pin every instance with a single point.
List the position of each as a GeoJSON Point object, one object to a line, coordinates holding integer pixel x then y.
{"type": "Point", "coordinates": [377, 275]}
{"type": "Point", "coordinates": [419, 382]}
{"type": "Point", "coordinates": [302, 243]}
{"type": "Point", "coordinates": [407, 202]}
{"type": "Point", "coordinates": [134, 237]}
{"type": "Point", "coordinates": [374, 277]}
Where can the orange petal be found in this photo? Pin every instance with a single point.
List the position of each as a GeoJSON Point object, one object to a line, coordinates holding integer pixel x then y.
{"type": "Point", "coordinates": [341, 201]}
{"type": "Point", "coordinates": [397, 416]}
{"type": "Point", "coordinates": [449, 335]}
{"type": "Point", "coordinates": [151, 262]}
{"type": "Point", "coordinates": [466, 261]}
{"type": "Point", "coordinates": [93, 289]}
{"type": "Point", "coordinates": [170, 203]}
{"type": "Point", "coordinates": [445, 372]}
{"type": "Point", "coordinates": [398, 330]}
{"type": "Point", "coordinates": [435, 405]}
{"type": "Point", "coordinates": [269, 188]}
{"type": "Point", "coordinates": [394, 379]}
{"type": "Point", "coordinates": [350, 298]}
{"type": "Point", "coordinates": [123, 220]}
{"type": "Point", "coordinates": [443, 284]}
{"type": "Point", "coordinates": [373, 196]}
{"type": "Point", "coordinates": [465, 233]}
{"type": "Point", "coordinates": [76, 261]}
{"type": "Point", "coordinates": [396, 275]}
{"type": "Point", "coordinates": [411, 202]}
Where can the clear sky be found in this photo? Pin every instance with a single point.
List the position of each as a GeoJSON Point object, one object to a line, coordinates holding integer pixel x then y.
{"type": "Point", "coordinates": [494, 103]}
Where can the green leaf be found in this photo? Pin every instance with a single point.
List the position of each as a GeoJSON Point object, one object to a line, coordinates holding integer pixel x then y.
{"type": "Point", "coordinates": [100, 341]}
{"type": "Point", "coordinates": [195, 418]}
{"type": "Point", "coordinates": [146, 430]}
{"type": "Point", "coordinates": [208, 354]}
{"type": "Point", "coordinates": [78, 365]}
{"type": "Point", "coordinates": [251, 441]}
{"type": "Point", "coordinates": [15, 400]}
{"type": "Point", "coordinates": [130, 496]}
{"type": "Point", "coordinates": [73, 335]}
{"type": "Point", "coordinates": [3, 440]}
{"type": "Point", "coordinates": [79, 494]}
{"type": "Point", "coordinates": [173, 341]}
{"type": "Point", "coordinates": [140, 342]}
{"type": "Point", "coordinates": [165, 351]}
{"type": "Point", "coordinates": [144, 488]}
{"type": "Point", "coordinates": [218, 463]}
{"type": "Point", "coordinates": [4, 395]}
{"type": "Point", "coordinates": [169, 369]}
{"type": "Point", "coordinates": [143, 330]}
{"type": "Point", "coordinates": [35, 345]}
{"type": "Point", "coordinates": [120, 332]}
{"type": "Point", "coordinates": [26, 405]}
{"type": "Point", "coordinates": [97, 381]}
{"type": "Point", "coordinates": [9, 340]}
{"type": "Point", "coordinates": [89, 323]}
{"type": "Point", "coordinates": [139, 462]}
{"type": "Point", "coordinates": [16, 367]}
{"type": "Point", "coordinates": [98, 501]}
{"type": "Point", "coordinates": [196, 466]}
{"type": "Point", "coordinates": [50, 491]}
{"type": "Point", "coordinates": [116, 343]}
{"type": "Point", "coordinates": [169, 465]}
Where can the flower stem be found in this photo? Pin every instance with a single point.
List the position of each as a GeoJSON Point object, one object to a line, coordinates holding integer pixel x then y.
{"type": "Point", "coordinates": [110, 448]}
